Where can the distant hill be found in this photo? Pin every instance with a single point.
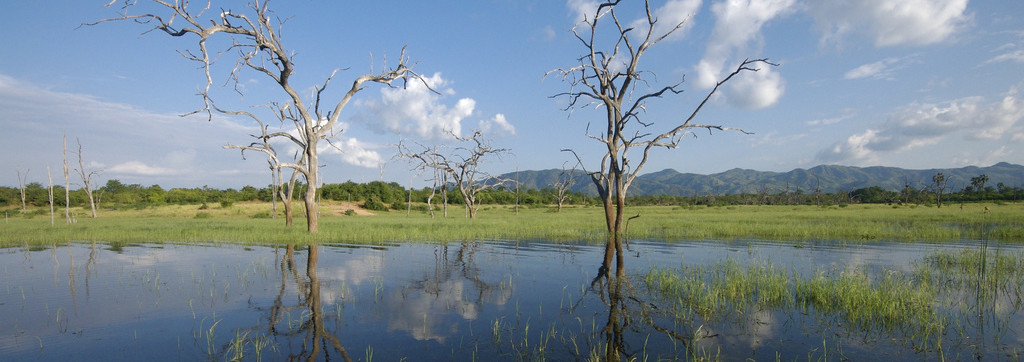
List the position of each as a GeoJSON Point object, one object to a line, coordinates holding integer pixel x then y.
{"type": "Point", "coordinates": [830, 178]}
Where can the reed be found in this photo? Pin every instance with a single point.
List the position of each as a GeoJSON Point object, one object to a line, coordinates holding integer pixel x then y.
{"type": "Point", "coordinates": [891, 302]}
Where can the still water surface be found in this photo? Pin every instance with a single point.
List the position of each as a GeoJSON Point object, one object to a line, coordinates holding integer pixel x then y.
{"type": "Point", "coordinates": [414, 301]}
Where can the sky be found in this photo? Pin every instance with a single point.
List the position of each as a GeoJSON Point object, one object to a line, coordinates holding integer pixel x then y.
{"type": "Point", "coordinates": [916, 84]}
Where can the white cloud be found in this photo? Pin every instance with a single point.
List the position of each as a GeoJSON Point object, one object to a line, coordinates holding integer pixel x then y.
{"type": "Point", "coordinates": [1016, 56]}
{"type": "Point", "coordinates": [756, 90]}
{"type": "Point", "coordinates": [357, 153]}
{"type": "Point", "coordinates": [419, 112]}
{"type": "Point", "coordinates": [416, 110]}
{"type": "Point", "coordinates": [139, 168]}
{"type": "Point", "coordinates": [497, 126]}
{"type": "Point", "coordinates": [882, 69]}
{"type": "Point", "coordinates": [920, 125]}
{"type": "Point", "coordinates": [737, 28]}
{"type": "Point", "coordinates": [139, 146]}
{"type": "Point", "coordinates": [670, 15]}
{"type": "Point", "coordinates": [845, 114]}
{"type": "Point", "coordinates": [582, 9]}
{"type": "Point", "coordinates": [890, 23]}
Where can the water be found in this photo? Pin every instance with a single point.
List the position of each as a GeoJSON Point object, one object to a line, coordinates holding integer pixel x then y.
{"type": "Point", "coordinates": [461, 301]}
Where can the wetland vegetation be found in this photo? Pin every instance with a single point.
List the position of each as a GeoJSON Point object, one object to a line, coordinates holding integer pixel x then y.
{"type": "Point", "coordinates": [686, 300]}
{"type": "Point", "coordinates": [227, 281]}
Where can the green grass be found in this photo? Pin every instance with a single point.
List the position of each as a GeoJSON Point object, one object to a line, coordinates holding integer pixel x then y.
{"type": "Point", "coordinates": [250, 223]}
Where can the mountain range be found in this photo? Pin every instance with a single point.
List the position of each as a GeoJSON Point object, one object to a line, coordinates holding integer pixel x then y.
{"type": "Point", "coordinates": [829, 178]}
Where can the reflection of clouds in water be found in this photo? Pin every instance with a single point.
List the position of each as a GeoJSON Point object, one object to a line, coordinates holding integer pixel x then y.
{"type": "Point", "coordinates": [141, 260]}
{"type": "Point", "coordinates": [423, 314]}
{"type": "Point", "coordinates": [750, 334]}
{"type": "Point", "coordinates": [353, 271]}
{"type": "Point", "coordinates": [338, 280]}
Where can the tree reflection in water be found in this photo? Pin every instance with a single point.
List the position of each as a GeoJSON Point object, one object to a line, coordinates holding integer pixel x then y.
{"type": "Point", "coordinates": [626, 307]}
{"type": "Point", "coordinates": [315, 338]}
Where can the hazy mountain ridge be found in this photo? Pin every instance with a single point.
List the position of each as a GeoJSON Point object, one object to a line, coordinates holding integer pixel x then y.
{"type": "Point", "coordinates": [830, 178]}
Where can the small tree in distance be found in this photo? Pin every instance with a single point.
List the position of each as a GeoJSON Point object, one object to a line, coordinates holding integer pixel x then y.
{"type": "Point", "coordinates": [459, 163]}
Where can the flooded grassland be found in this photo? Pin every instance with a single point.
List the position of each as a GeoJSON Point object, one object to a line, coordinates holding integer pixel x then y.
{"type": "Point", "coordinates": [512, 300]}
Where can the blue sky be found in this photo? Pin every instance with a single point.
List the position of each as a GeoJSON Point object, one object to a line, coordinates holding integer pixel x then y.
{"type": "Point", "coordinates": [913, 84]}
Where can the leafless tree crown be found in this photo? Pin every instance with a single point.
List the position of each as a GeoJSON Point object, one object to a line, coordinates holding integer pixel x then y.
{"type": "Point", "coordinates": [255, 40]}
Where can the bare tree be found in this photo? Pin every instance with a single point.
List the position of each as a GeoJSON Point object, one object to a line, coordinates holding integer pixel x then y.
{"type": "Point", "coordinates": [461, 163]}
{"type": "Point", "coordinates": [67, 184]}
{"type": "Point", "coordinates": [563, 185]}
{"type": "Point", "coordinates": [280, 188]}
{"type": "Point", "coordinates": [86, 179]}
{"type": "Point", "coordinates": [21, 185]}
{"type": "Point", "coordinates": [50, 193]}
{"type": "Point", "coordinates": [612, 79]}
{"type": "Point", "coordinates": [254, 35]}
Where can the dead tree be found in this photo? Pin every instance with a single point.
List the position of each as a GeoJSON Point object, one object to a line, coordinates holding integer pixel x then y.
{"type": "Point", "coordinates": [67, 184]}
{"type": "Point", "coordinates": [285, 191]}
{"type": "Point", "coordinates": [50, 192]}
{"type": "Point", "coordinates": [611, 78]}
{"type": "Point", "coordinates": [21, 185]}
{"type": "Point", "coordinates": [563, 186]}
{"type": "Point", "coordinates": [86, 179]}
{"type": "Point", "coordinates": [460, 163]}
{"type": "Point", "coordinates": [255, 36]}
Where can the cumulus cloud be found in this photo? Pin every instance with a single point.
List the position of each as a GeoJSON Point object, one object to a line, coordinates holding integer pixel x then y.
{"type": "Point", "coordinates": [919, 125]}
{"type": "Point", "coordinates": [756, 90]}
{"type": "Point", "coordinates": [497, 126]}
{"type": "Point", "coordinates": [890, 23]}
{"type": "Point", "coordinates": [417, 111]}
{"type": "Point", "coordinates": [737, 28]}
{"type": "Point", "coordinates": [357, 153]}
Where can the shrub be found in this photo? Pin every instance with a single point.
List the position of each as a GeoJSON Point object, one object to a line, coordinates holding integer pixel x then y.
{"type": "Point", "coordinates": [204, 206]}
{"type": "Point", "coordinates": [203, 215]}
{"type": "Point", "coordinates": [350, 212]}
{"type": "Point", "coordinates": [374, 203]}
{"type": "Point", "coordinates": [261, 215]}
{"type": "Point", "coordinates": [226, 203]}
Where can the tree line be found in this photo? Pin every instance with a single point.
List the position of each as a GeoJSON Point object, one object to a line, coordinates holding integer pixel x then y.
{"type": "Point", "coordinates": [374, 195]}
{"type": "Point", "coordinates": [382, 196]}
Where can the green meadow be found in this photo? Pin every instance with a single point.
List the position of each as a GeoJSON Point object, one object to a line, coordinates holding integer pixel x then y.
{"type": "Point", "coordinates": [251, 222]}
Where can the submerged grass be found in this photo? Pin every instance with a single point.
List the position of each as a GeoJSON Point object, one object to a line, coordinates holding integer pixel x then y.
{"type": "Point", "coordinates": [949, 294]}
{"type": "Point", "coordinates": [248, 223]}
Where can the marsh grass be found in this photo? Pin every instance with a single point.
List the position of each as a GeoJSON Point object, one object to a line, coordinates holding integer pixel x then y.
{"type": "Point", "coordinates": [948, 296]}
{"type": "Point", "coordinates": [730, 292]}
{"type": "Point", "coordinates": [248, 223]}
{"type": "Point", "coordinates": [727, 290]}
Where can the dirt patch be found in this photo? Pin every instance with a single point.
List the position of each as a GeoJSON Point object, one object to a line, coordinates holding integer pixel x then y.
{"type": "Point", "coordinates": [339, 208]}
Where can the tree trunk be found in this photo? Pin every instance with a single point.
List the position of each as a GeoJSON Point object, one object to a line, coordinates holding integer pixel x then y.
{"type": "Point", "coordinates": [312, 181]}
{"type": "Point", "coordinates": [67, 185]}
{"type": "Point", "coordinates": [50, 179]}
{"type": "Point", "coordinates": [21, 183]}
{"type": "Point", "coordinates": [287, 194]}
